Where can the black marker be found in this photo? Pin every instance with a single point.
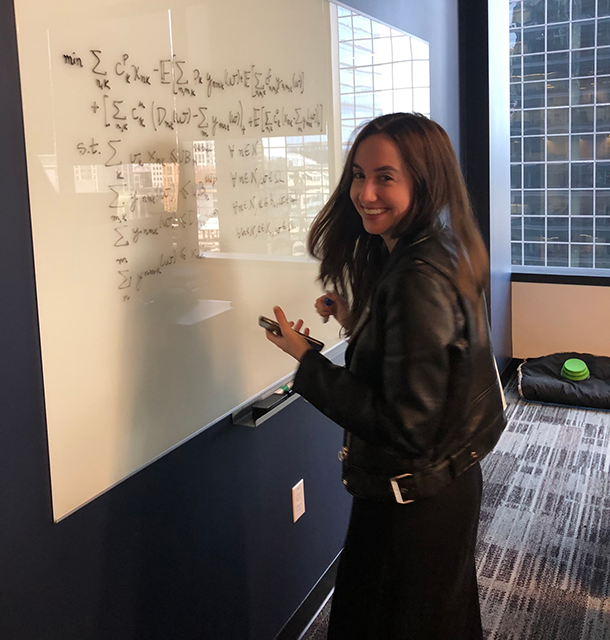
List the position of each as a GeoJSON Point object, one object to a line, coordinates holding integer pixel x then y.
{"type": "Point", "coordinates": [329, 303]}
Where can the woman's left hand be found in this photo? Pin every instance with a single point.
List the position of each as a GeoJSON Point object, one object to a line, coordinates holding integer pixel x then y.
{"type": "Point", "coordinates": [290, 341]}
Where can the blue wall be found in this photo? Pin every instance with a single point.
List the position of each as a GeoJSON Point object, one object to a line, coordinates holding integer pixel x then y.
{"type": "Point", "coordinates": [200, 544]}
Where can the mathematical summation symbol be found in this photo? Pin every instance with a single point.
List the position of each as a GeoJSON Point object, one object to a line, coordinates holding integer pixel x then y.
{"type": "Point", "coordinates": [129, 72]}
{"type": "Point", "coordinates": [117, 116]}
{"type": "Point", "coordinates": [127, 279]}
{"type": "Point", "coordinates": [121, 241]}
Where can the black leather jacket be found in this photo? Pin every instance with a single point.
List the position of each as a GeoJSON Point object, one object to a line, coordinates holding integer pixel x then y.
{"type": "Point", "coordinates": [419, 397]}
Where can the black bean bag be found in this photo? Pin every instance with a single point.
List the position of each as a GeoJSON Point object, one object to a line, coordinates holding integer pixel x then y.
{"type": "Point", "coordinates": [540, 380]}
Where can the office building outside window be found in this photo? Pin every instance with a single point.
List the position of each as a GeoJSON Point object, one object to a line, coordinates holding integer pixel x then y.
{"type": "Point", "coordinates": [381, 70]}
{"type": "Point", "coordinates": [560, 135]}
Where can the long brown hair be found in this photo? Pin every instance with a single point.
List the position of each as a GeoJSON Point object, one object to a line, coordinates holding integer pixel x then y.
{"type": "Point", "coordinates": [352, 260]}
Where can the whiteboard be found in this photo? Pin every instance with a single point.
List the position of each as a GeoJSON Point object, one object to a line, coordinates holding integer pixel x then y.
{"type": "Point", "coordinates": [177, 153]}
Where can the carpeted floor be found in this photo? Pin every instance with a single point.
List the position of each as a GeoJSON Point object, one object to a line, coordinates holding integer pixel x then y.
{"type": "Point", "coordinates": [544, 538]}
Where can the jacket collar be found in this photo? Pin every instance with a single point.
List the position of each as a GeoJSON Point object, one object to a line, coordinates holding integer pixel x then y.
{"type": "Point", "coordinates": [419, 245]}
{"type": "Point", "coordinates": [405, 245]}
{"type": "Point", "coordinates": [413, 245]}
{"type": "Point", "coordinates": [435, 246]}
{"type": "Point", "coordinates": [401, 248]}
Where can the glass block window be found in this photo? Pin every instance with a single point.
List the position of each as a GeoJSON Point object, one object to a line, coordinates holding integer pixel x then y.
{"type": "Point", "coordinates": [381, 70]}
{"type": "Point", "coordinates": [560, 134]}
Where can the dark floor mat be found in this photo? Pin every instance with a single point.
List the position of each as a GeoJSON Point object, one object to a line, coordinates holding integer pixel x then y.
{"type": "Point", "coordinates": [540, 380]}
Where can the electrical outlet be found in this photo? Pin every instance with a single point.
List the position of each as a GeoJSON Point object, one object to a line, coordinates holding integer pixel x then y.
{"type": "Point", "coordinates": [298, 500]}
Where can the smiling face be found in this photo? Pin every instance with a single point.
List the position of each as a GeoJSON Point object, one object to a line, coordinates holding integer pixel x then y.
{"type": "Point", "coordinates": [381, 188]}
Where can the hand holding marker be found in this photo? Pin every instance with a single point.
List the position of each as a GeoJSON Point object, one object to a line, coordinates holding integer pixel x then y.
{"type": "Point", "coordinates": [329, 303]}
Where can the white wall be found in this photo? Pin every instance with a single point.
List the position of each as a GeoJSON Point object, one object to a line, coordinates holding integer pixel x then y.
{"type": "Point", "coordinates": [550, 318]}
{"type": "Point", "coordinates": [499, 180]}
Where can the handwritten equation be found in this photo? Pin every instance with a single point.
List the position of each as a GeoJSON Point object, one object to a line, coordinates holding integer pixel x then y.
{"type": "Point", "coordinates": [183, 79]}
{"type": "Point", "coordinates": [179, 80]}
{"type": "Point", "coordinates": [262, 120]}
{"type": "Point", "coordinates": [164, 203]}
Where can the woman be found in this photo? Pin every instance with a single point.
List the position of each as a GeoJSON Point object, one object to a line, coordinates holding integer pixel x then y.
{"type": "Point", "coordinates": [419, 398]}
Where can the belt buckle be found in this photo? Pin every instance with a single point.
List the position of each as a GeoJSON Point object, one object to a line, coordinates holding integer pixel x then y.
{"type": "Point", "coordinates": [396, 488]}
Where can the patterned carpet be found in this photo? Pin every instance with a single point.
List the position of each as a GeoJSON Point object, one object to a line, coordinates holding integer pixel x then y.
{"type": "Point", "coordinates": [544, 538]}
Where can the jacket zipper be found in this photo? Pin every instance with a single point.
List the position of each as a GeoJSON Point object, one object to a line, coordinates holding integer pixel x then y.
{"type": "Point", "coordinates": [343, 453]}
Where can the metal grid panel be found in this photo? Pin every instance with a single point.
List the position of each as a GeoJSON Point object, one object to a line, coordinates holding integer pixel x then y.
{"type": "Point", "coordinates": [381, 70]}
{"type": "Point", "coordinates": [560, 133]}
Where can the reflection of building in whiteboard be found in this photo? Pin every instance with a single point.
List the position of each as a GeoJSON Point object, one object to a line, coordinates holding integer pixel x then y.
{"type": "Point", "coordinates": [156, 174]}
{"type": "Point", "coordinates": [204, 153]}
{"type": "Point", "coordinates": [276, 186]}
{"type": "Point", "coordinates": [86, 178]}
{"type": "Point", "coordinates": [209, 235]}
{"type": "Point", "coordinates": [170, 176]}
{"type": "Point", "coordinates": [204, 159]}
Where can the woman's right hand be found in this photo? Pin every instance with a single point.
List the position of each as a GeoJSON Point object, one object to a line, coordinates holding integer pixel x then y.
{"type": "Point", "coordinates": [337, 308]}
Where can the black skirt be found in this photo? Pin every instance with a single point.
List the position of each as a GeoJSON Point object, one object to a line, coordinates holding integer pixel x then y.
{"type": "Point", "coordinates": [407, 572]}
